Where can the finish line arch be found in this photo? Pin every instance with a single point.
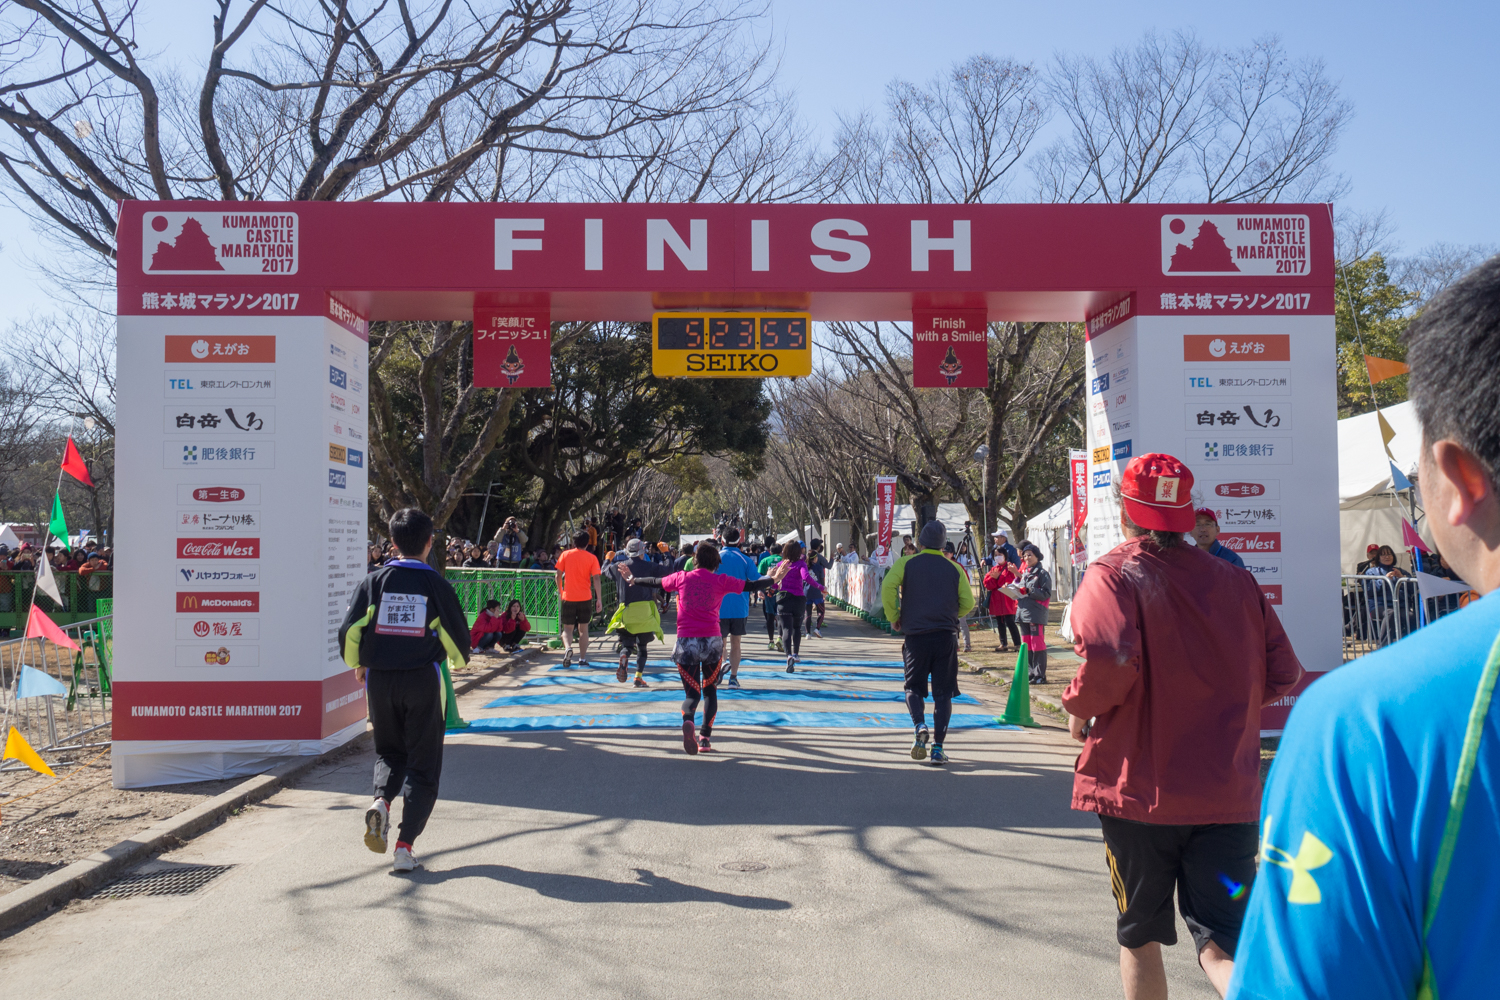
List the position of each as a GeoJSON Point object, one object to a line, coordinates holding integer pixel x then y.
{"type": "Point", "coordinates": [241, 433]}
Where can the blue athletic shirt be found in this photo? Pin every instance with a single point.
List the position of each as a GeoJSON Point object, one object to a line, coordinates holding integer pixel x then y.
{"type": "Point", "coordinates": [1352, 820]}
{"type": "Point", "coordinates": [734, 563]}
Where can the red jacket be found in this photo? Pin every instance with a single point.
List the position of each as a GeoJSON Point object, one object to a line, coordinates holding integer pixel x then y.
{"type": "Point", "coordinates": [1180, 653]}
{"type": "Point", "coordinates": [483, 625]}
{"type": "Point", "coordinates": [996, 578]}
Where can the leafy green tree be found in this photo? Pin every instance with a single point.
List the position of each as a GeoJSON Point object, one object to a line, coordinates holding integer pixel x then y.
{"type": "Point", "coordinates": [1373, 309]}
{"type": "Point", "coordinates": [696, 511]}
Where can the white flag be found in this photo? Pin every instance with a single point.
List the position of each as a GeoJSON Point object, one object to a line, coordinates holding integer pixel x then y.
{"type": "Point", "coordinates": [1435, 586]}
{"type": "Point", "coordinates": [46, 582]}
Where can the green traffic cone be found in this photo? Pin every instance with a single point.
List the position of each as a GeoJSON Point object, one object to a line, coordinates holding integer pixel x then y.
{"type": "Point", "coordinates": [1018, 705]}
{"type": "Point", "coordinates": [451, 719]}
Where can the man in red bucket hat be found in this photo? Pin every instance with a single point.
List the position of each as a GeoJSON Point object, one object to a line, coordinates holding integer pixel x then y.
{"type": "Point", "coordinates": [1181, 651]}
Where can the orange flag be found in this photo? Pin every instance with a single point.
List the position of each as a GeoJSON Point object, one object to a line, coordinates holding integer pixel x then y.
{"type": "Point", "coordinates": [1383, 368]}
{"type": "Point", "coordinates": [39, 626]}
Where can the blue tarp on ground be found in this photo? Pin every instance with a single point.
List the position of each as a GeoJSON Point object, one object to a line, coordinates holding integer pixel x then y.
{"type": "Point", "coordinates": [669, 673]}
{"type": "Point", "coordinates": [882, 668]}
{"type": "Point", "coordinates": [626, 696]}
{"type": "Point", "coordinates": [673, 720]}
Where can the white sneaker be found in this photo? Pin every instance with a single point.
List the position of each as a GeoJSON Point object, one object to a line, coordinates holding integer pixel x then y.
{"type": "Point", "coordinates": [377, 825]}
{"type": "Point", "coordinates": [405, 861]}
{"type": "Point", "coordinates": [818, 633]}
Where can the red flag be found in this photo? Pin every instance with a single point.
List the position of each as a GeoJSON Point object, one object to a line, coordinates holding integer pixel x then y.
{"type": "Point", "coordinates": [1410, 538]}
{"type": "Point", "coordinates": [74, 466]}
{"type": "Point", "coordinates": [39, 626]}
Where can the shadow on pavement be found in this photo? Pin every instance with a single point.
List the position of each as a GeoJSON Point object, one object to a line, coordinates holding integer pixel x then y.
{"type": "Point", "coordinates": [651, 888]}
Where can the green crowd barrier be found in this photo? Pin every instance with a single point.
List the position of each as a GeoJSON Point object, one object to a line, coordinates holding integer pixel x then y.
{"type": "Point", "coordinates": [535, 589]}
{"type": "Point", "coordinates": [82, 597]}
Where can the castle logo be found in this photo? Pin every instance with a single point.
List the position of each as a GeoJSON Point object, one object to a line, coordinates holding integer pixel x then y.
{"type": "Point", "coordinates": [219, 243]}
{"type": "Point", "coordinates": [1227, 245]}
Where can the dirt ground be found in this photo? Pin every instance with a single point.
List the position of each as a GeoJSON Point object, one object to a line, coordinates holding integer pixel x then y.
{"type": "Point", "coordinates": [79, 816]}
{"type": "Point", "coordinates": [85, 813]}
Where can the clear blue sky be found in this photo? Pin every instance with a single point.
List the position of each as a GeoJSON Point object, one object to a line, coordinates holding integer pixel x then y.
{"type": "Point", "coordinates": [1423, 145]}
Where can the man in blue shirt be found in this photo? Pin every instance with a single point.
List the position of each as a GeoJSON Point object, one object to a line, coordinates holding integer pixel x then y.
{"type": "Point", "coordinates": [734, 609]}
{"type": "Point", "coordinates": [1380, 827]}
{"type": "Point", "coordinates": [1206, 534]}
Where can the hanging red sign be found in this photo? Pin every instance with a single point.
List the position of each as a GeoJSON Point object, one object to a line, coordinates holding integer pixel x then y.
{"type": "Point", "coordinates": [1078, 468]}
{"type": "Point", "coordinates": [513, 347]}
{"type": "Point", "coordinates": [950, 349]}
{"type": "Point", "coordinates": [885, 499]}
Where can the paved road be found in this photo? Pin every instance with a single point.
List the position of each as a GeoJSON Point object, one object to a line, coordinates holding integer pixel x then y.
{"type": "Point", "coordinates": [590, 863]}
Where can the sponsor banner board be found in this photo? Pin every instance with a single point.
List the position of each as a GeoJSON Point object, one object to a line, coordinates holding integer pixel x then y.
{"type": "Point", "coordinates": [248, 494]}
{"type": "Point", "coordinates": [218, 602]}
{"type": "Point", "coordinates": [237, 629]}
{"type": "Point", "coordinates": [219, 242]}
{"type": "Point", "coordinates": [216, 349]}
{"type": "Point", "coordinates": [226, 521]}
{"type": "Point", "coordinates": [1253, 244]}
{"type": "Point", "coordinates": [885, 503]}
{"type": "Point", "coordinates": [1231, 348]}
{"type": "Point", "coordinates": [214, 454]}
{"type": "Point", "coordinates": [209, 654]}
{"type": "Point", "coordinates": [190, 387]}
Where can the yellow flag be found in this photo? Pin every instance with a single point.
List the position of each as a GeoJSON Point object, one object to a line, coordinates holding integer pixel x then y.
{"type": "Point", "coordinates": [16, 747]}
{"type": "Point", "coordinates": [1387, 432]}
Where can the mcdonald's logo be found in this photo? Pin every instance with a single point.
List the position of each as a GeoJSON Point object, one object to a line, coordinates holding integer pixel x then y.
{"type": "Point", "coordinates": [217, 601]}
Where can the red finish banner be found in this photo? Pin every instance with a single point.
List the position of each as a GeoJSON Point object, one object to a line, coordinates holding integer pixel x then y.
{"type": "Point", "coordinates": [950, 349]}
{"type": "Point", "coordinates": [885, 502]}
{"type": "Point", "coordinates": [513, 347]}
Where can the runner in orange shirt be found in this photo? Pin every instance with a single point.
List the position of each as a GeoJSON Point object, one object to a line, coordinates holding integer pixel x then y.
{"type": "Point", "coordinates": [580, 595]}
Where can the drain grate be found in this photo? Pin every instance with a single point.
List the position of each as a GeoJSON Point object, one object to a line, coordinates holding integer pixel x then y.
{"type": "Point", "coordinates": [744, 866]}
{"type": "Point", "coordinates": [178, 881]}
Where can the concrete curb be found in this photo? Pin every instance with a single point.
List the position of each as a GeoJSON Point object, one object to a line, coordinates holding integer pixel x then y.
{"type": "Point", "coordinates": [50, 891]}
{"type": "Point", "coordinates": [1045, 699]}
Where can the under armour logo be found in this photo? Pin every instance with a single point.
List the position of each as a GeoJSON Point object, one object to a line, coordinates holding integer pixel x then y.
{"type": "Point", "coordinates": [1311, 853]}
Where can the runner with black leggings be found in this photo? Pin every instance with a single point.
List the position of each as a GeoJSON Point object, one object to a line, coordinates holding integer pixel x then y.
{"type": "Point", "coordinates": [699, 653]}
{"type": "Point", "coordinates": [793, 582]}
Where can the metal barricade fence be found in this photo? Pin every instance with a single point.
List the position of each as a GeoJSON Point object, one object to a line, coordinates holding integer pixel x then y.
{"type": "Point", "coordinates": [50, 722]}
{"type": "Point", "coordinates": [80, 597]}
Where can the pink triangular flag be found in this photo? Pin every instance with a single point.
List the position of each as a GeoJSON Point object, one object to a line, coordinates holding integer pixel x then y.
{"type": "Point", "coordinates": [39, 626]}
{"type": "Point", "coordinates": [1410, 538]}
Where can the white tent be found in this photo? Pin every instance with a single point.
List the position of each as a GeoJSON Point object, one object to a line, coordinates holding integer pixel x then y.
{"type": "Point", "coordinates": [1370, 512]}
{"type": "Point", "coordinates": [8, 537]}
{"type": "Point", "coordinates": [1048, 531]}
{"type": "Point", "coordinates": [1363, 466]}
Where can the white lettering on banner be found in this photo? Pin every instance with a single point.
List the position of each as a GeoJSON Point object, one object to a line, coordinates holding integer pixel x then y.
{"type": "Point", "coordinates": [1262, 301]}
{"type": "Point", "coordinates": [401, 614]}
{"type": "Point", "coordinates": [506, 242]}
{"type": "Point", "coordinates": [241, 385]}
{"type": "Point", "coordinates": [1239, 415]}
{"type": "Point", "coordinates": [693, 254]}
{"type": "Point", "coordinates": [1249, 382]}
{"type": "Point", "coordinates": [219, 494]}
{"type": "Point", "coordinates": [1256, 488]}
{"type": "Point", "coordinates": [593, 244]}
{"type": "Point", "coordinates": [358, 694]}
{"type": "Point", "coordinates": [824, 239]}
{"type": "Point", "coordinates": [1243, 451]}
{"type": "Point", "coordinates": [922, 244]}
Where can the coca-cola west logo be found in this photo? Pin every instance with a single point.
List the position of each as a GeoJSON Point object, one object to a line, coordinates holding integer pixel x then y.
{"type": "Point", "coordinates": [217, 548]}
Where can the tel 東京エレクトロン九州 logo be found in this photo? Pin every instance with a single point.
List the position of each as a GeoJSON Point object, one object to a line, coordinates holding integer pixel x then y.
{"type": "Point", "coordinates": [219, 243]}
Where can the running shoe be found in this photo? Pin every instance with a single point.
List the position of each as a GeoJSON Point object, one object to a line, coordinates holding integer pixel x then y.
{"type": "Point", "coordinates": [818, 633]}
{"type": "Point", "coordinates": [377, 825]}
{"type": "Point", "coordinates": [791, 664]}
{"type": "Point", "coordinates": [734, 682]}
{"type": "Point", "coordinates": [919, 745]}
{"type": "Point", "coordinates": [567, 658]}
{"type": "Point", "coordinates": [585, 665]}
{"type": "Point", "coordinates": [689, 737]}
{"type": "Point", "coordinates": [623, 670]}
{"type": "Point", "coordinates": [404, 861]}
{"type": "Point", "coordinates": [704, 746]}
{"type": "Point", "coordinates": [640, 682]}
{"type": "Point", "coordinates": [939, 758]}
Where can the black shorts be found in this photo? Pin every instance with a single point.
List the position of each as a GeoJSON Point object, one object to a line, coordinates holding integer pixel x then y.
{"type": "Point", "coordinates": [731, 626]}
{"type": "Point", "coordinates": [577, 612]}
{"type": "Point", "coordinates": [931, 655]}
{"type": "Point", "coordinates": [1211, 866]}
